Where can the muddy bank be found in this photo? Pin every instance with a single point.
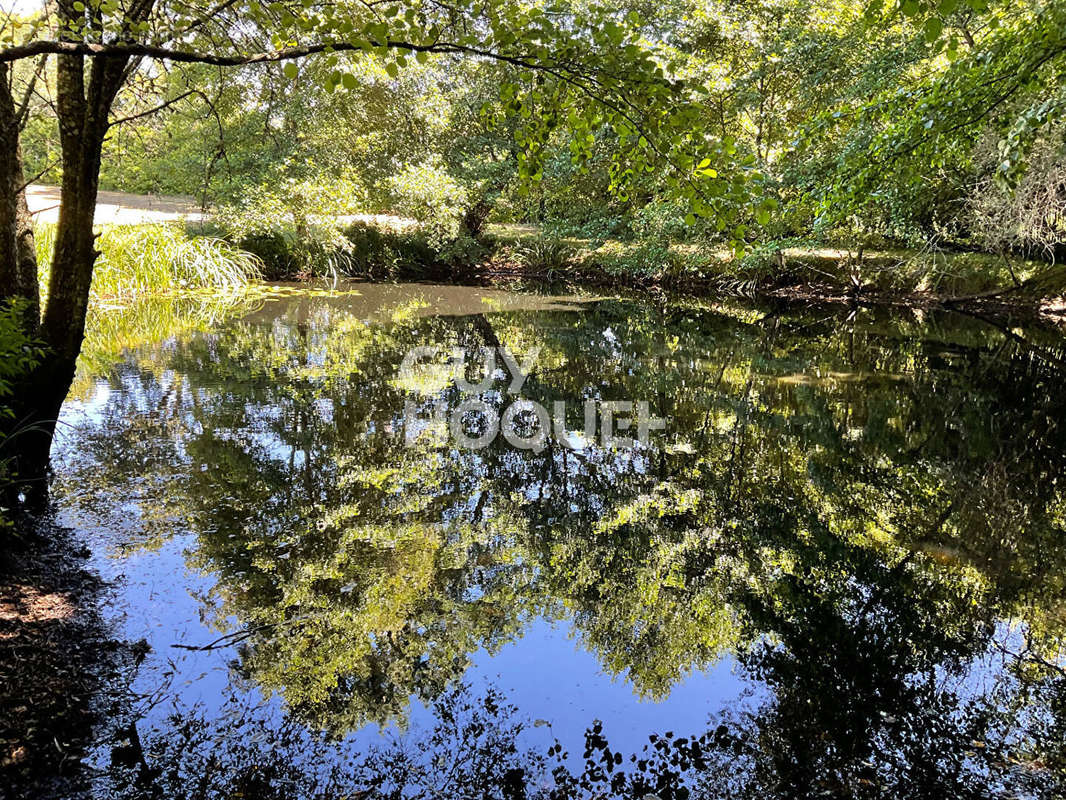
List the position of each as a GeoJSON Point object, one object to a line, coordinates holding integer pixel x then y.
{"type": "Point", "coordinates": [58, 662]}
{"type": "Point", "coordinates": [1008, 302]}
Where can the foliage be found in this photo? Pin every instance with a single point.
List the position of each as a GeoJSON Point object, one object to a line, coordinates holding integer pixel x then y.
{"type": "Point", "coordinates": [158, 259]}
{"type": "Point", "coordinates": [777, 120]}
{"type": "Point", "coordinates": [293, 224]}
{"type": "Point", "coordinates": [634, 101]}
{"type": "Point", "coordinates": [433, 197]}
{"type": "Point", "coordinates": [861, 121]}
{"type": "Point", "coordinates": [661, 220]}
{"type": "Point", "coordinates": [19, 354]}
{"type": "Point", "coordinates": [1031, 215]}
{"type": "Point", "coordinates": [378, 252]}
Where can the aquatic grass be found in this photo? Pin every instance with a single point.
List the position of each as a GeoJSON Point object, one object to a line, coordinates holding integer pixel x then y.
{"type": "Point", "coordinates": [158, 259]}
{"type": "Point", "coordinates": [544, 253]}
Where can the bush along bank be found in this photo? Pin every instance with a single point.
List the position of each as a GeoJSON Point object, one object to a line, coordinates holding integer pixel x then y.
{"type": "Point", "coordinates": [153, 259]}
{"type": "Point", "coordinates": [788, 269]}
{"type": "Point", "coordinates": [367, 251]}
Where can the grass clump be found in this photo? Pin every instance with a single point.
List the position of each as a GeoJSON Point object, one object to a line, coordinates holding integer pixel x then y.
{"type": "Point", "coordinates": [544, 253]}
{"type": "Point", "coordinates": [158, 259]}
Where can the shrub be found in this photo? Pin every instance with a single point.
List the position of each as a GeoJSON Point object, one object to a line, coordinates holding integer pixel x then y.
{"type": "Point", "coordinates": [382, 253]}
{"type": "Point", "coordinates": [18, 355]}
{"type": "Point", "coordinates": [294, 226]}
{"type": "Point", "coordinates": [432, 196]}
{"type": "Point", "coordinates": [642, 261]}
{"type": "Point", "coordinates": [1031, 217]}
{"type": "Point", "coordinates": [18, 352]}
{"type": "Point", "coordinates": [597, 229]}
{"type": "Point", "coordinates": [665, 219]}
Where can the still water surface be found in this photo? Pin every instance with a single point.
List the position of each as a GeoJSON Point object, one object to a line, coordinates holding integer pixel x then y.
{"type": "Point", "coordinates": [838, 571]}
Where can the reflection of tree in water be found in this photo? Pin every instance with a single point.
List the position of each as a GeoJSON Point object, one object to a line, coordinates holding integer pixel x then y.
{"type": "Point", "coordinates": [474, 749]}
{"type": "Point", "coordinates": [851, 511]}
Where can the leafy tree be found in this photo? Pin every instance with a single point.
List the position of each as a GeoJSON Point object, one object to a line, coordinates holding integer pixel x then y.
{"type": "Point", "coordinates": [100, 46]}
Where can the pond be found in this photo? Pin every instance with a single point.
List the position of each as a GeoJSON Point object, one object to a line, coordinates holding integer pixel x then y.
{"type": "Point", "coordinates": [826, 558]}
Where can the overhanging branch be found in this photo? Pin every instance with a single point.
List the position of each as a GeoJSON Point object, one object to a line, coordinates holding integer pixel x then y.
{"type": "Point", "coordinates": [138, 49]}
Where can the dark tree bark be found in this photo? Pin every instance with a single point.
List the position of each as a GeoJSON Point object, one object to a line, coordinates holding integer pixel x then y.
{"type": "Point", "coordinates": [18, 283]}
{"type": "Point", "coordinates": [18, 257]}
{"type": "Point", "coordinates": [476, 216]}
{"type": "Point", "coordinates": [83, 102]}
{"type": "Point", "coordinates": [84, 97]}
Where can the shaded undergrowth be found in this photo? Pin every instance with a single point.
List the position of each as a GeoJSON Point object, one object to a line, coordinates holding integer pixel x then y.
{"type": "Point", "coordinates": [143, 260]}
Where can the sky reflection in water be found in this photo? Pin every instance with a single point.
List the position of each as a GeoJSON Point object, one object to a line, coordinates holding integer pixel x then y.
{"type": "Point", "coordinates": [844, 556]}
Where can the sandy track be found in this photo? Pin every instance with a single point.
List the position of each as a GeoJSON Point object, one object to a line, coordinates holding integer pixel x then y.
{"type": "Point", "coordinates": [120, 208]}
{"type": "Point", "coordinates": [117, 208]}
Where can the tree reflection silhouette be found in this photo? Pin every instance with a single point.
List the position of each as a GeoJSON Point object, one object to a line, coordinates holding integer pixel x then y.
{"type": "Point", "coordinates": [867, 515]}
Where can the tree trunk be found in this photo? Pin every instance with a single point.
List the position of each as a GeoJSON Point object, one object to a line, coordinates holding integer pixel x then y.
{"type": "Point", "coordinates": [27, 445]}
{"type": "Point", "coordinates": [476, 216]}
{"type": "Point", "coordinates": [23, 442]}
{"type": "Point", "coordinates": [82, 107]}
{"type": "Point", "coordinates": [9, 137]}
{"type": "Point", "coordinates": [18, 256]}
{"type": "Point", "coordinates": [75, 253]}
{"type": "Point", "coordinates": [83, 103]}
{"type": "Point", "coordinates": [37, 399]}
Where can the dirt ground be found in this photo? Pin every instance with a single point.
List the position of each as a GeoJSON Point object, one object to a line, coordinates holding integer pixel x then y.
{"type": "Point", "coordinates": [120, 208]}
{"type": "Point", "coordinates": [56, 661]}
{"type": "Point", "coordinates": [117, 208]}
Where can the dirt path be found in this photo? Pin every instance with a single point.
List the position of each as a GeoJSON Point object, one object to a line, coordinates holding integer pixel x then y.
{"type": "Point", "coordinates": [120, 208]}
{"type": "Point", "coordinates": [117, 208]}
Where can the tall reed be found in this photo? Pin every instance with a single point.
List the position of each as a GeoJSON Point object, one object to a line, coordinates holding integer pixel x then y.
{"type": "Point", "coordinates": [158, 259]}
